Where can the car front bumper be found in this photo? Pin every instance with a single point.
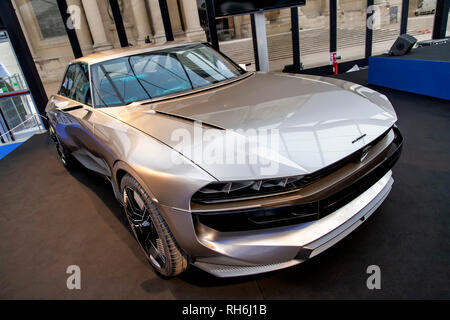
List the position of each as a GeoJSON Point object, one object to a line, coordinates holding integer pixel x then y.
{"type": "Point", "coordinates": [230, 254]}
{"type": "Point", "coordinates": [303, 241]}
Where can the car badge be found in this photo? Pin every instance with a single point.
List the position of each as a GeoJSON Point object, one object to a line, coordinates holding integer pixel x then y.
{"type": "Point", "coordinates": [364, 153]}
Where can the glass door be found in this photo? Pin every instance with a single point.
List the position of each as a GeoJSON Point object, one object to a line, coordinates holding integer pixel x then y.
{"type": "Point", "coordinates": [19, 118]}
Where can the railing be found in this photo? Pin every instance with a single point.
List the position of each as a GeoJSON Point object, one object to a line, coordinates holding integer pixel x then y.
{"type": "Point", "coordinates": [18, 118]}
{"type": "Point", "coordinates": [29, 130]}
{"type": "Point", "coordinates": [13, 82]}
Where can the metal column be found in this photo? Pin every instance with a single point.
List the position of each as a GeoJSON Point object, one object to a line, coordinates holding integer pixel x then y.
{"type": "Point", "coordinates": [333, 25]}
{"type": "Point", "coordinates": [404, 21]}
{"type": "Point", "coordinates": [166, 19]}
{"type": "Point", "coordinates": [295, 39]}
{"type": "Point", "coordinates": [261, 41]}
{"type": "Point", "coordinates": [211, 16]}
{"type": "Point", "coordinates": [71, 33]}
{"type": "Point", "coordinates": [441, 19]}
{"type": "Point", "coordinates": [255, 42]}
{"type": "Point", "coordinates": [115, 8]}
{"type": "Point", "coordinates": [369, 30]}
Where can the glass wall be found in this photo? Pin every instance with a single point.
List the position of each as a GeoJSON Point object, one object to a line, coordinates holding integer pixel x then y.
{"type": "Point", "coordinates": [351, 29]}
{"type": "Point", "coordinates": [47, 39]}
{"type": "Point", "coordinates": [314, 21]}
{"type": "Point", "coordinates": [279, 38]}
{"type": "Point", "coordinates": [234, 34]}
{"type": "Point", "coordinates": [421, 18]}
{"type": "Point", "coordinates": [386, 25]}
{"type": "Point", "coordinates": [447, 33]}
{"type": "Point", "coordinates": [18, 116]}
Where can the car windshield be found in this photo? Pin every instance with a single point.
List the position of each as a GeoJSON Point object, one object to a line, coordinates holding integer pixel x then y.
{"type": "Point", "coordinates": [159, 73]}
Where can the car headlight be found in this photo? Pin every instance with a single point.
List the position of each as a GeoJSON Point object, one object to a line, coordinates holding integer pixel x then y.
{"type": "Point", "coordinates": [235, 190]}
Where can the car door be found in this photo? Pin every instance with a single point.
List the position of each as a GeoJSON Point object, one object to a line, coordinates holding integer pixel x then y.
{"type": "Point", "coordinates": [72, 112]}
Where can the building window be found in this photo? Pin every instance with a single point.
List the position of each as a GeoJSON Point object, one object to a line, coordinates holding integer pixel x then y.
{"type": "Point", "coordinates": [49, 18]}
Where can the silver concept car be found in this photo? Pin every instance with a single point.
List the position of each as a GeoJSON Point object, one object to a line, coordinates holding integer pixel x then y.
{"type": "Point", "coordinates": [231, 171]}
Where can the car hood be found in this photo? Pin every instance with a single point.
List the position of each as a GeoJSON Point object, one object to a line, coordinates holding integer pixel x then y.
{"type": "Point", "coordinates": [310, 122]}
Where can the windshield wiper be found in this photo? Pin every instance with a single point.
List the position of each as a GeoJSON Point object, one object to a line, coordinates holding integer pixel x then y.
{"type": "Point", "coordinates": [137, 79]}
{"type": "Point", "coordinates": [106, 73]}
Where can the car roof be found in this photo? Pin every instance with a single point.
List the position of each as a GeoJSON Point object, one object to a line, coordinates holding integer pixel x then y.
{"type": "Point", "coordinates": [129, 51]}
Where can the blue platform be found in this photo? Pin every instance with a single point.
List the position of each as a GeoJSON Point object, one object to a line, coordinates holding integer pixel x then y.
{"type": "Point", "coordinates": [8, 148]}
{"type": "Point", "coordinates": [424, 71]}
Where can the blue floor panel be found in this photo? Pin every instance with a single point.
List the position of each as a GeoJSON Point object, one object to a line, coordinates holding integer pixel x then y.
{"type": "Point", "coordinates": [6, 149]}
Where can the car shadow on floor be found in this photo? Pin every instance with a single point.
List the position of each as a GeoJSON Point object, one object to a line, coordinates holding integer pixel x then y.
{"type": "Point", "coordinates": [103, 191]}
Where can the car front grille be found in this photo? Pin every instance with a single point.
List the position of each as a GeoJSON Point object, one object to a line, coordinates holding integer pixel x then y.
{"type": "Point", "coordinates": [262, 218]}
{"type": "Point", "coordinates": [220, 192]}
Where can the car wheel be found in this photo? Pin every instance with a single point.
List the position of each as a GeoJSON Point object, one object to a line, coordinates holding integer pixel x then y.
{"type": "Point", "coordinates": [432, 11]}
{"type": "Point", "coordinates": [64, 154]}
{"type": "Point", "coordinates": [151, 230]}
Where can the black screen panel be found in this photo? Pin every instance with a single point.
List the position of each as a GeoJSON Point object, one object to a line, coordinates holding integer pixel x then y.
{"type": "Point", "coordinates": [235, 7]}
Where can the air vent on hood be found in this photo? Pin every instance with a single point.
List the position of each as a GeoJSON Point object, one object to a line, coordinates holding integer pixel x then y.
{"type": "Point", "coordinates": [204, 125]}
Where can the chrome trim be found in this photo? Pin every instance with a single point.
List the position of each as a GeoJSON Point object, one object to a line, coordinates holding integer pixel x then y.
{"type": "Point", "coordinates": [225, 271]}
{"type": "Point", "coordinates": [340, 233]}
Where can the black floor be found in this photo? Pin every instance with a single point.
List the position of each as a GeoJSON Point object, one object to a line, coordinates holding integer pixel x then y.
{"type": "Point", "coordinates": [51, 218]}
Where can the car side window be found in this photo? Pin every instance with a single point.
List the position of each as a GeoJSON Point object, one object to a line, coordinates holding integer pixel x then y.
{"type": "Point", "coordinates": [68, 82]}
{"type": "Point", "coordinates": [80, 92]}
{"type": "Point", "coordinates": [76, 84]}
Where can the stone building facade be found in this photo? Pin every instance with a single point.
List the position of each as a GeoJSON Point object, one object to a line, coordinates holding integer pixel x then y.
{"type": "Point", "coordinates": [315, 14]}
{"type": "Point", "coordinates": [96, 31]}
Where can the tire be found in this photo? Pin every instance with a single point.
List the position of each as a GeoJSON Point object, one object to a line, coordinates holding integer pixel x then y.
{"type": "Point", "coordinates": [151, 230]}
{"type": "Point", "coordinates": [64, 154]}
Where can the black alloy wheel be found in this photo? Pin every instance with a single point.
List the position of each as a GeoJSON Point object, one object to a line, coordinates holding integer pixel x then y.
{"type": "Point", "coordinates": [151, 230]}
{"type": "Point", "coordinates": [143, 228]}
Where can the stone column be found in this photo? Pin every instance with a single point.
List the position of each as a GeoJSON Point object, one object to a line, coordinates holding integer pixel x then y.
{"type": "Point", "coordinates": [84, 37]}
{"type": "Point", "coordinates": [96, 27]}
{"type": "Point", "coordinates": [325, 5]}
{"type": "Point", "coordinates": [237, 21]}
{"type": "Point", "coordinates": [141, 20]}
{"type": "Point", "coordinates": [157, 23]}
{"type": "Point", "coordinates": [175, 19]}
{"type": "Point", "coordinates": [193, 30]}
